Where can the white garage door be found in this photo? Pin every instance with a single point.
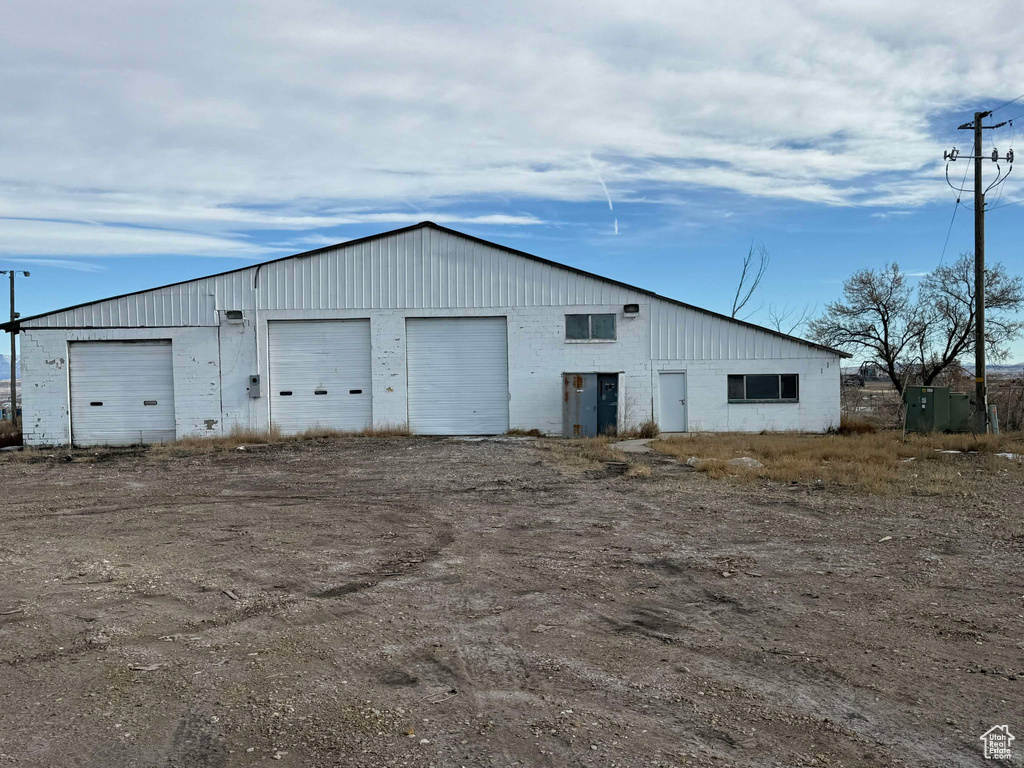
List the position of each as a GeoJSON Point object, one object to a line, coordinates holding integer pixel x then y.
{"type": "Point", "coordinates": [320, 375]}
{"type": "Point", "coordinates": [122, 393]}
{"type": "Point", "coordinates": [458, 375]}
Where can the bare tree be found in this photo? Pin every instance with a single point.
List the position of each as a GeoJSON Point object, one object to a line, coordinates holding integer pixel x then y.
{"type": "Point", "coordinates": [751, 276]}
{"type": "Point", "coordinates": [789, 320]}
{"type": "Point", "coordinates": [916, 338]}
{"type": "Point", "coordinates": [946, 297]}
{"type": "Point", "coordinates": [878, 316]}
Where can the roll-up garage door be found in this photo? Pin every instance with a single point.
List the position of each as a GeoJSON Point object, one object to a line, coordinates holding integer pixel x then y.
{"type": "Point", "coordinates": [122, 392]}
{"type": "Point", "coordinates": [320, 374]}
{"type": "Point", "coordinates": [458, 375]}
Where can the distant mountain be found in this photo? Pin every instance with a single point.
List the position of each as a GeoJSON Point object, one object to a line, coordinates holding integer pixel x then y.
{"type": "Point", "coordinates": [1012, 369]}
{"type": "Point", "coordinates": [5, 367]}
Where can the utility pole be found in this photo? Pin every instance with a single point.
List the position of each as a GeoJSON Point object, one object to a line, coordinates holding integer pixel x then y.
{"type": "Point", "coordinates": [981, 393]}
{"type": "Point", "coordinates": [980, 389]}
{"type": "Point", "coordinates": [14, 354]}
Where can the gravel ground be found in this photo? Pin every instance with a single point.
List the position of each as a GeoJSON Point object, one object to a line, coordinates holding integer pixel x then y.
{"type": "Point", "coordinates": [419, 602]}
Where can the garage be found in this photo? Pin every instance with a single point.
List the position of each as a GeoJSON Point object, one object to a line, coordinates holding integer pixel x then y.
{"type": "Point", "coordinates": [458, 375]}
{"type": "Point", "coordinates": [122, 392]}
{"type": "Point", "coordinates": [320, 375]}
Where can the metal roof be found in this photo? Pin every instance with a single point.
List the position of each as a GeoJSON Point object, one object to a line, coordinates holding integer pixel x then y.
{"type": "Point", "coordinates": [14, 326]}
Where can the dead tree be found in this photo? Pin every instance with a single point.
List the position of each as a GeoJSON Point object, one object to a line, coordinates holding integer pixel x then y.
{"type": "Point", "coordinates": [789, 320]}
{"type": "Point", "coordinates": [916, 335]}
{"type": "Point", "coordinates": [755, 264]}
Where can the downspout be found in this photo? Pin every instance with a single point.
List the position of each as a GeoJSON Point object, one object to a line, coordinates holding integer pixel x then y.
{"type": "Point", "coordinates": [650, 351]}
{"type": "Point", "coordinates": [256, 329]}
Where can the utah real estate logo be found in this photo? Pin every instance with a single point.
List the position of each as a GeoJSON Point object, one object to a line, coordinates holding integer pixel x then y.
{"type": "Point", "coordinates": [997, 742]}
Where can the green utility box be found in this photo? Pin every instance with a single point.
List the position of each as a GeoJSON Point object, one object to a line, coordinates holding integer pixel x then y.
{"type": "Point", "coordinates": [961, 407]}
{"type": "Point", "coordinates": [936, 409]}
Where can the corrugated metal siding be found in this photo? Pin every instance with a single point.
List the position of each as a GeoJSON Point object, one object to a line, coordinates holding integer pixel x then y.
{"type": "Point", "coordinates": [424, 268]}
{"type": "Point", "coordinates": [416, 269]}
{"type": "Point", "coordinates": [681, 333]}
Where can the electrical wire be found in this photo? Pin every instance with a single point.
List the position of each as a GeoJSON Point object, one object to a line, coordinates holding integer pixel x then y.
{"type": "Point", "coordinates": [1005, 205]}
{"type": "Point", "coordinates": [956, 206]}
{"type": "Point", "coordinates": [1007, 103]}
{"type": "Point", "coordinates": [1013, 133]}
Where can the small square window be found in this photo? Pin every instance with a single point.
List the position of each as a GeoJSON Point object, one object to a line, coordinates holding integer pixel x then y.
{"type": "Point", "coordinates": [577, 326]}
{"type": "Point", "coordinates": [602, 326]}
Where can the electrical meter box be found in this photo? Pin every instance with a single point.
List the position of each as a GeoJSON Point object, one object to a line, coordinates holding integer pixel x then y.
{"type": "Point", "coordinates": [936, 409]}
{"type": "Point", "coordinates": [254, 385]}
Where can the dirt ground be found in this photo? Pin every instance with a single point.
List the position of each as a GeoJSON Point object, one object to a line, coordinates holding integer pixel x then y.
{"type": "Point", "coordinates": [444, 602]}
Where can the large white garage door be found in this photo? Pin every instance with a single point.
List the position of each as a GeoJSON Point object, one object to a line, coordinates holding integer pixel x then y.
{"type": "Point", "coordinates": [122, 392]}
{"type": "Point", "coordinates": [320, 374]}
{"type": "Point", "coordinates": [458, 375]}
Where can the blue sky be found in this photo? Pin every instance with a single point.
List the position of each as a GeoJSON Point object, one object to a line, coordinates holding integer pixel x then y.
{"type": "Point", "coordinates": [146, 143]}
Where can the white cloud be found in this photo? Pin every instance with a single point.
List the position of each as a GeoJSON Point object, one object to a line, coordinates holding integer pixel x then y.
{"type": "Point", "coordinates": [51, 238]}
{"type": "Point", "coordinates": [313, 114]}
{"type": "Point", "coordinates": [69, 264]}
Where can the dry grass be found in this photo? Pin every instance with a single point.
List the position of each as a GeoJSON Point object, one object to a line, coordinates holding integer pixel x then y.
{"type": "Point", "coordinates": [525, 433]}
{"type": "Point", "coordinates": [881, 462]}
{"type": "Point", "coordinates": [854, 425]}
{"type": "Point", "coordinates": [639, 471]}
{"type": "Point", "coordinates": [645, 430]}
{"type": "Point", "coordinates": [9, 434]}
{"type": "Point", "coordinates": [584, 453]}
{"type": "Point", "coordinates": [242, 437]}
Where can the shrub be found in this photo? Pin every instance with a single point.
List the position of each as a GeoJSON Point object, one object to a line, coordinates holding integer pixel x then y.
{"type": "Point", "coordinates": [851, 425]}
{"type": "Point", "coordinates": [649, 429]}
{"type": "Point", "coordinates": [10, 434]}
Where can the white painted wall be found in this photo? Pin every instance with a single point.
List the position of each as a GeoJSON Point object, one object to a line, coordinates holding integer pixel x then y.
{"type": "Point", "coordinates": [46, 408]}
{"type": "Point", "coordinates": [428, 271]}
{"type": "Point", "coordinates": [212, 368]}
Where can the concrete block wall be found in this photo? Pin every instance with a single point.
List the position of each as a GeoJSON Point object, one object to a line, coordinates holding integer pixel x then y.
{"type": "Point", "coordinates": [537, 350]}
{"type": "Point", "coordinates": [709, 409]}
{"type": "Point", "coordinates": [46, 416]}
{"type": "Point", "coordinates": [539, 354]}
{"type": "Point", "coordinates": [212, 366]}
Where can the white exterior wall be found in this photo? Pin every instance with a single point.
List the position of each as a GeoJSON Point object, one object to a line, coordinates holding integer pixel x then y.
{"type": "Point", "coordinates": [427, 272]}
{"type": "Point", "coordinates": [45, 394]}
{"type": "Point", "coordinates": [708, 408]}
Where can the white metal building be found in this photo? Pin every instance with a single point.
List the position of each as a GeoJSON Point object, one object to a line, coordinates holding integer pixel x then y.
{"type": "Point", "coordinates": [422, 326]}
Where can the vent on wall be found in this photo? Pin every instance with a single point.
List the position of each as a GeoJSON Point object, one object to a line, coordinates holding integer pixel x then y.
{"type": "Point", "coordinates": [630, 310]}
{"type": "Point", "coordinates": [233, 315]}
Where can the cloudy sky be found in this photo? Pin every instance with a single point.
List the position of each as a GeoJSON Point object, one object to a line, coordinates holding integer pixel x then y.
{"type": "Point", "coordinates": [145, 142]}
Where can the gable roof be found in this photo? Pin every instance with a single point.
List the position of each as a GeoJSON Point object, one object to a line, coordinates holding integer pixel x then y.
{"type": "Point", "coordinates": [16, 324]}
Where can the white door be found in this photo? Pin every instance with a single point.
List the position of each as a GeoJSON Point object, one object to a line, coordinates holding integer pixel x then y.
{"type": "Point", "coordinates": [122, 392]}
{"type": "Point", "coordinates": [458, 375]}
{"type": "Point", "coordinates": [673, 402]}
{"type": "Point", "coordinates": [319, 374]}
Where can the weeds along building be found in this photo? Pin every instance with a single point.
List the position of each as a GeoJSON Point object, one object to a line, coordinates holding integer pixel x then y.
{"type": "Point", "coordinates": [421, 327]}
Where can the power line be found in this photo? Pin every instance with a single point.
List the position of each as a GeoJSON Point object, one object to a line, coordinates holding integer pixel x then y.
{"type": "Point", "coordinates": [1013, 133]}
{"type": "Point", "coordinates": [1004, 205]}
{"type": "Point", "coordinates": [1007, 103]}
{"type": "Point", "coordinates": [956, 207]}
{"type": "Point", "coordinates": [951, 220]}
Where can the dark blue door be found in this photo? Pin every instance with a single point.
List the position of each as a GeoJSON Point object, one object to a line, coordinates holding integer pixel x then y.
{"type": "Point", "coordinates": [607, 403]}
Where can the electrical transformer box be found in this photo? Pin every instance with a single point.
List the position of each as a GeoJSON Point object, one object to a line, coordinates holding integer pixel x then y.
{"type": "Point", "coordinates": [936, 409]}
